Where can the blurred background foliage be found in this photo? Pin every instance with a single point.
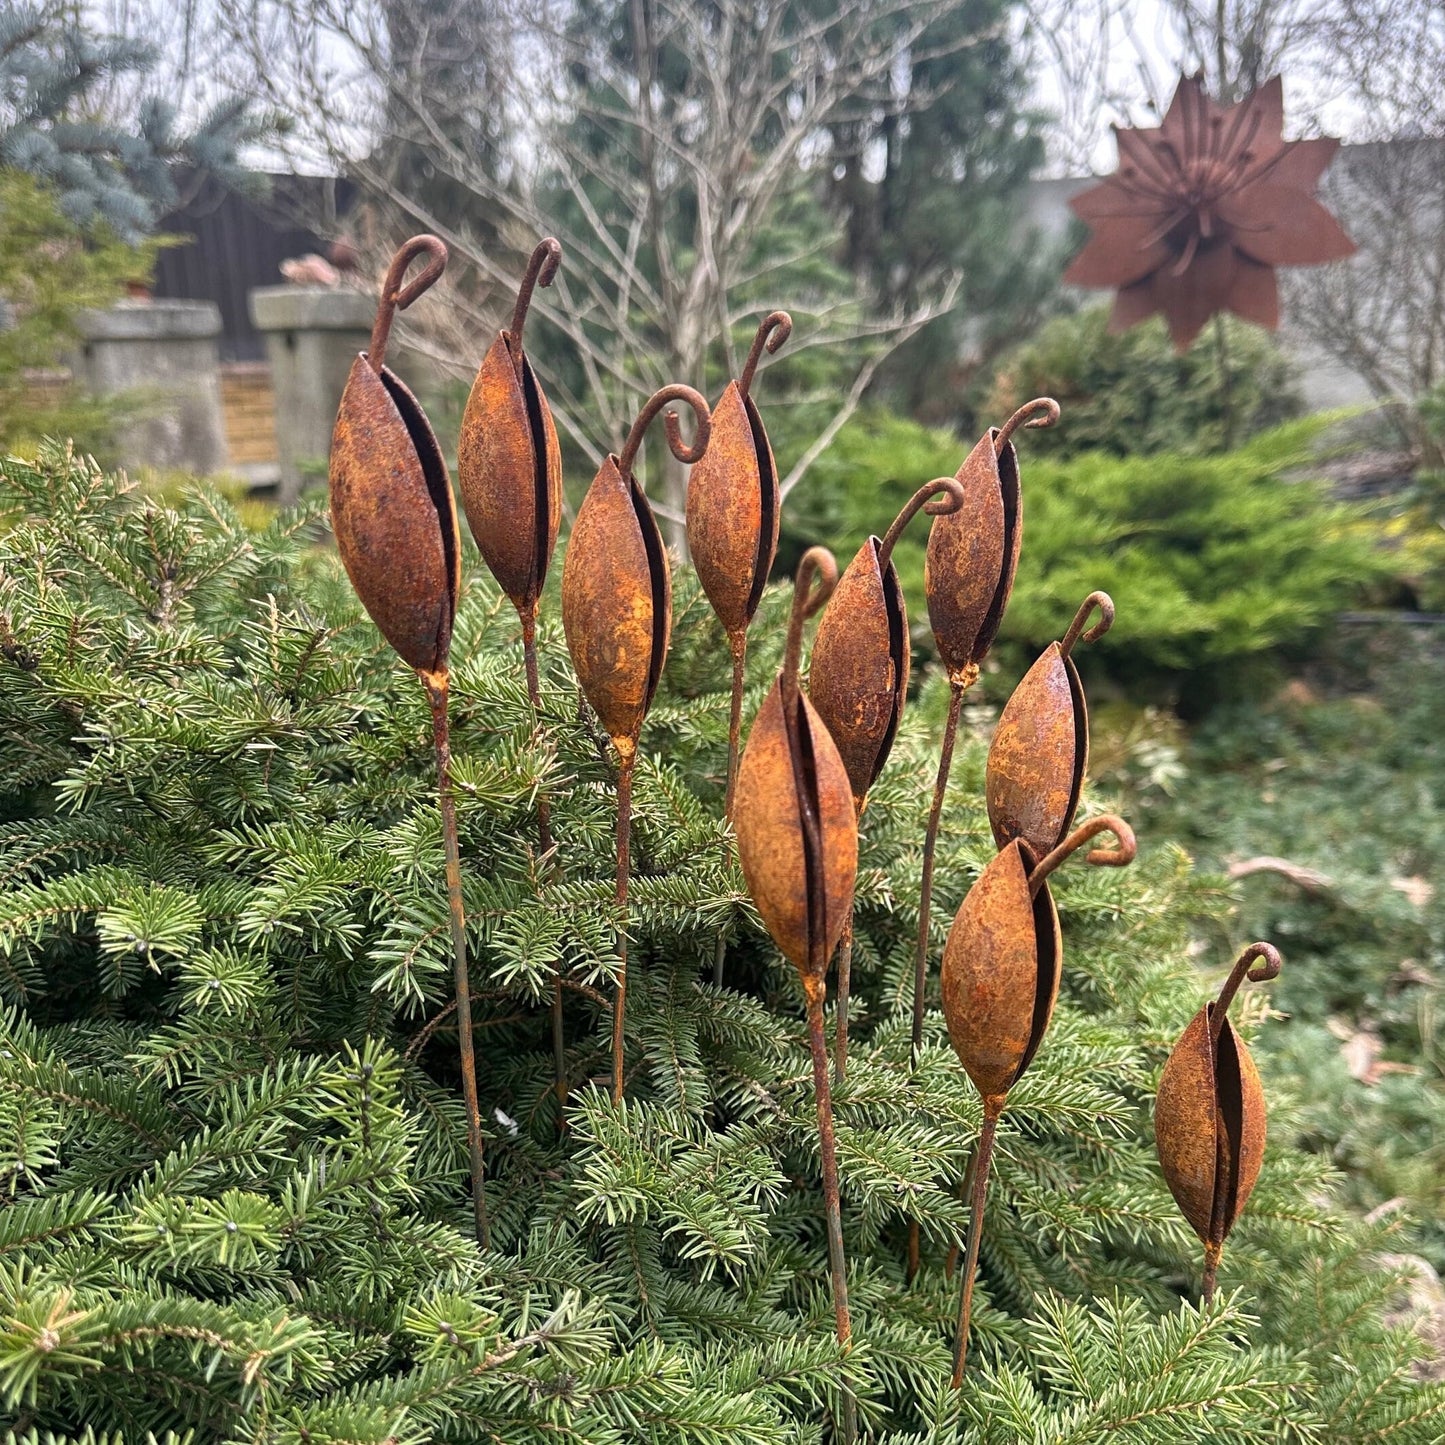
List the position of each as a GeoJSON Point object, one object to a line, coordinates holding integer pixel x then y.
{"type": "Point", "coordinates": [51, 268]}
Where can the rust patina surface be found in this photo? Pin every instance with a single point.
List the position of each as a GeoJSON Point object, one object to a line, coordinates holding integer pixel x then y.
{"type": "Point", "coordinates": [509, 464]}
{"type": "Point", "coordinates": [392, 508]}
{"type": "Point", "coordinates": [732, 495]}
{"type": "Point", "coordinates": [1210, 1116]}
{"type": "Point", "coordinates": [859, 677]}
{"type": "Point", "coordinates": [1040, 749]}
{"type": "Point", "coordinates": [973, 552]}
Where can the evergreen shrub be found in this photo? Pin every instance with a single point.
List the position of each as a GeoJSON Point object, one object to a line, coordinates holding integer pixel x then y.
{"type": "Point", "coordinates": [231, 1137]}
{"type": "Point", "coordinates": [51, 268]}
{"type": "Point", "coordinates": [1132, 393]}
{"type": "Point", "coordinates": [1214, 562]}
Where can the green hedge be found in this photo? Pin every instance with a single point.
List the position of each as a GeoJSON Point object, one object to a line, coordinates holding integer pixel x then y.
{"type": "Point", "coordinates": [1213, 561]}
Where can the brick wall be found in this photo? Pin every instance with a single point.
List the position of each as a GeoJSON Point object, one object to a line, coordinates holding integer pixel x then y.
{"type": "Point", "coordinates": [249, 407]}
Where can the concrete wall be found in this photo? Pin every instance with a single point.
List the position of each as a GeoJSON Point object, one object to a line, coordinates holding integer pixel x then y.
{"type": "Point", "coordinates": [162, 355]}
{"type": "Point", "coordinates": [312, 334]}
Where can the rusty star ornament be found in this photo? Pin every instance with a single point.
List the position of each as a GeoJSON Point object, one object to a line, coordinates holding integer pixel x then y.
{"type": "Point", "coordinates": [1202, 210]}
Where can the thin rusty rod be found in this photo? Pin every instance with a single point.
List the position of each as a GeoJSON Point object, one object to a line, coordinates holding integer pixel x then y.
{"type": "Point", "coordinates": [828, 1150]}
{"type": "Point", "coordinates": [930, 845]}
{"type": "Point", "coordinates": [677, 391]}
{"type": "Point", "coordinates": [925, 904]}
{"type": "Point", "coordinates": [1100, 857]}
{"type": "Point", "coordinates": [541, 269]}
{"type": "Point", "coordinates": [982, 1163]}
{"type": "Point", "coordinates": [437, 684]}
{"type": "Point", "coordinates": [773, 331]}
{"type": "Point", "coordinates": [396, 297]}
{"type": "Point", "coordinates": [738, 642]}
{"type": "Point", "coordinates": [1050, 413]}
{"type": "Point", "coordinates": [624, 851]}
{"type": "Point", "coordinates": [939, 498]}
{"type": "Point", "coordinates": [840, 1007]}
{"type": "Point", "coordinates": [1260, 973]}
{"type": "Point", "coordinates": [965, 1188]}
{"type": "Point", "coordinates": [544, 844]}
{"type": "Point", "coordinates": [816, 562]}
{"type": "Point", "coordinates": [1105, 604]}
{"type": "Point", "coordinates": [1213, 1253]}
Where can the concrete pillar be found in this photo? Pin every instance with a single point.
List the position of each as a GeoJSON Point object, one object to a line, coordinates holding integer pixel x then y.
{"type": "Point", "coordinates": [313, 334]}
{"type": "Point", "coordinates": [163, 354]}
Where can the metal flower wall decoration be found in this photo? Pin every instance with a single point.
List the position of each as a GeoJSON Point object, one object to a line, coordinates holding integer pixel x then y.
{"type": "Point", "coordinates": [1202, 210]}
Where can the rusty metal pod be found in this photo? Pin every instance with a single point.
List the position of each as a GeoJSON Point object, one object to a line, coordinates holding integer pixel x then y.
{"type": "Point", "coordinates": [973, 553]}
{"type": "Point", "coordinates": [859, 675]}
{"type": "Point", "coordinates": [1209, 1115]}
{"type": "Point", "coordinates": [616, 582]}
{"type": "Point", "coordinates": [796, 827]}
{"type": "Point", "coordinates": [732, 495]}
{"type": "Point", "coordinates": [392, 508]}
{"type": "Point", "coordinates": [509, 464]}
{"type": "Point", "coordinates": [1004, 956]}
{"type": "Point", "coordinates": [1040, 749]}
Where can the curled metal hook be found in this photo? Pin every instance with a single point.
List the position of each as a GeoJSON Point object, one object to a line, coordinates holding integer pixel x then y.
{"type": "Point", "coordinates": [947, 497]}
{"type": "Point", "coordinates": [1261, 973]}
{"type": "Point", "coordinates": [1105, 604]}
{"type": "Point", "coordinates": [819, 563]}
{"type": "Point", "coordinates": [1099, 857]}
{"type": "Point", "coordinates": [659, 399]}
{"type": "Point", "coordinates": [395, 297]}
{"type": "Point", "coordinates": [773, 331]}
{"type": "Point", "coordinates": [1050, 414]}
{"type": "Point", "coordinates": [540, 271]}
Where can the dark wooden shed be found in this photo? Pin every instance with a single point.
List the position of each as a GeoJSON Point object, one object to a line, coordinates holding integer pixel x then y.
{"type": "Point", "coordinates": [236, 243]}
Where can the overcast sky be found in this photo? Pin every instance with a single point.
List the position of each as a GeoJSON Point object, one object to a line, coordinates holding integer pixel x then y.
{"type": "Point", "coordinates": [1115, 75]}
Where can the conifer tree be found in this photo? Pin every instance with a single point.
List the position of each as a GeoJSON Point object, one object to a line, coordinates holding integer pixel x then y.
{"type": "Point", "coordinates": [122, 170]}
{"type": "Point", "coordinates": [232, 1146]}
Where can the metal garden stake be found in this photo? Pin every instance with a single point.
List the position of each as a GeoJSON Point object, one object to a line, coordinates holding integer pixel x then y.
{"type": "Point", "coordinates": [1000, 976]}
{"type": "Point", "coordinates": [1040, 748]}
{"type": "Point", "coordinates": [1209, 1115]}
{"type": "Point", "coordinates": [860, 678]}
{"type": "Point", "coordinates": [396, 528]}
{"type": "Point", "coordinates": [797, 836]}
{"type": "Point", "coordinates": [509, 468]}
{"type": "Point", "coordinates": [617, 614]}
{"type": "Point", "coordinates": [732, 516]}
{"type": "Point", "coordinates": [968, 577]}
{"type": "Point", "coordinates": [732, 527]}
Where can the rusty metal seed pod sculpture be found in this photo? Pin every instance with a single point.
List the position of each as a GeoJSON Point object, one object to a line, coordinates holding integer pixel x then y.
{"type": "Point", "coordinates": [1209, 1115]}
{"type": "Point", "coordinates": [798, 844]}
{"type": "Point", "coordinates": [509, 465]}
{"type": "Point", "coordinates": [1040, 749]}
{"type": "Point", "coordinates": [1001, 969]}
{"type": "Point", "coordinates": [617, 615]}
{"type": "Point", "coordinates": [968, 578]}
{"type": "Point", "coordinates": [509, 469]}
{"type": "Point", "coordinates": [732, 530]}
{"type": "Point", "coordinates": [395, 521]}
{"type": "Point", "coordinates": [732, 517]}
{"type": "Point", "coordinates": [860, 678]}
